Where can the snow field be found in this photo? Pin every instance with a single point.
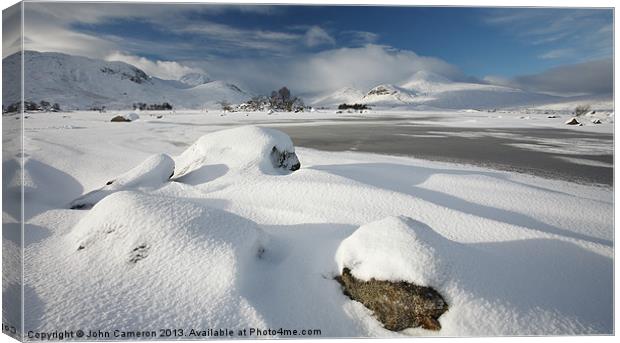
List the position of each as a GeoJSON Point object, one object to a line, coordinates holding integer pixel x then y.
{"type": "Point", "coordinates": [512, 254]}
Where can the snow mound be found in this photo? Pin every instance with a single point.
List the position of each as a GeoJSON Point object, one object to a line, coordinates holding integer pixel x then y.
{"type": "Point", "coordinates": [127, 220]}
{"type": "Point", "coordinates": [394, 249]}
{"type": "Point", "coordinates": [244, 148]}
{"type": "Point", "coordinates": [152, 173]}
{"type": "Point", "coordinates": [183, 257]}
{"type": "Point", "coordinates": [132, 116]}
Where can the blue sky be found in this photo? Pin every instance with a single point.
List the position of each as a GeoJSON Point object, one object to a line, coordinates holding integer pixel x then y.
{"type": "Point", "coordinates": [496, 45]}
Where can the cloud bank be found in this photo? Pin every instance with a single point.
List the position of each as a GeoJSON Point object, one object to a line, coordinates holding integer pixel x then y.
{"type": "Point", "coordinates": [363, 68]}
{"type": "Point", "coordinates": [168, 70]}
{"type": "Point", "coordinates": [587, 78]}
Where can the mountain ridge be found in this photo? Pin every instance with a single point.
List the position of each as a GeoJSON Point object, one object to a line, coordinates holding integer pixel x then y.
{"type": "Point", "coordinates": [77, 82]}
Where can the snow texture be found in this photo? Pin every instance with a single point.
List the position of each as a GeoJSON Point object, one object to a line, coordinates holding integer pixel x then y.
{"type": "Point", "coordinates": [151, 173]}
{"type": "Point", "coordinates": [132, 246]}
{"type": "Point", "coordinates": [234, 242]}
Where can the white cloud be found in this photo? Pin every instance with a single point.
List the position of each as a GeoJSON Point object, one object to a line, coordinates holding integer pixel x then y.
{"type": "Point", "coordinates": [42, 37]}
{"type": "Point", "coordinates": [557, 53]}
{"type": "Point", "coordinates": [11, 30]}
{"type": "Point", "coordinates": [578, 34]}
{"type": "Point", "coordinates": [168, 70]}
{"type": "Point", "coordinates": [360, 37]}
{"type": "Point", "coordinates": [316, 36]}
{"type": "Point", "coordinates": [228, 38]}
{"type": "Point", "coordinates": [363, 68]}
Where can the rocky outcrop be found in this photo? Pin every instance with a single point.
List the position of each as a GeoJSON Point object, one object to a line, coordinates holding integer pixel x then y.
{"type": "Point", "coordinates": [284, 159]}
{"type": "Point", "coordinates": [398, 305]}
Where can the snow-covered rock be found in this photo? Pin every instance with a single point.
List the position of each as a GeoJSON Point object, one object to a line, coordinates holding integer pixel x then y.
{"type": "Point", "coordinates": [169, 260]}
{"type": "Point", "coordinates": [596, 121]}
{"type": "Point", "coordinates": [150, 174]}
{"type": "Point", "coordinates": [394, 249]}
{"type": "Point", "coordinates": [241, 149]}
{"type": "Point", "coordinates": [572, 121]}
{"type": "Point", "coordinates": [127, 117]}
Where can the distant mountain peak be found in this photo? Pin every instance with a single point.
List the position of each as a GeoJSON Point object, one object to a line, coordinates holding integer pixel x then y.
{"type": "Point", "coordinates": [389, 93]}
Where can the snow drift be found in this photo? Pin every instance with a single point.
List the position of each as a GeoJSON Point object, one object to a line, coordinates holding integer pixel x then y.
{"type": "Point", "coordinates": [151, 173]}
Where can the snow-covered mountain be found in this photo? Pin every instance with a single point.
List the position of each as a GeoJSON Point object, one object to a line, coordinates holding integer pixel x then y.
{"type": "Point", "coordinates": [389, 95]}
{"type": "Point", "coordinates": [433, 90]}
{"type": "Point", "coordinates": [195, 79]}
{"type": "Point", "coordinates": [346, 95]}
{"type": "Point", "coordinates": [81, 83]}
{"type": "Point", "coordinates": [438, 91]}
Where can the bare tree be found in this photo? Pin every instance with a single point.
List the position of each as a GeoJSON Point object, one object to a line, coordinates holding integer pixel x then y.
{"type": "Point", "coordinates": [581, 110]}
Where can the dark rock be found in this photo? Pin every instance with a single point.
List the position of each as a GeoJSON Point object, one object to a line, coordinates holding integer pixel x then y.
{"type": "Point", "coordinates": [398, 305]}
{"type": "Point", "coordinates": [284, 159]}
{"type": "Point", "coordinates": [119, 119]}
{"type": "Point", "coordinates": [572, 121]}
{"type": "Point", "coordinates": [79, 206]}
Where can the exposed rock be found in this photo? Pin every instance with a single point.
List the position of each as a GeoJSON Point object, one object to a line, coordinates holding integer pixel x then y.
{"type": "Point", "coordinates": [572, 121]}
{"type": "Point", "coordinates": [381, 90]}
{"type": "Point", "coordinates": [120, 119]}
{"type": "Point", "coordinates": [284, 159]}
{"type": "Point", "coordinates": [596, 121]}
{"type": "Point", "coordinates": [398, 305]}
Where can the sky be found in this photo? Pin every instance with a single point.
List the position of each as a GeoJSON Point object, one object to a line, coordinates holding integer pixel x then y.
{"type": "Point", "coordinates": [323, 48]}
